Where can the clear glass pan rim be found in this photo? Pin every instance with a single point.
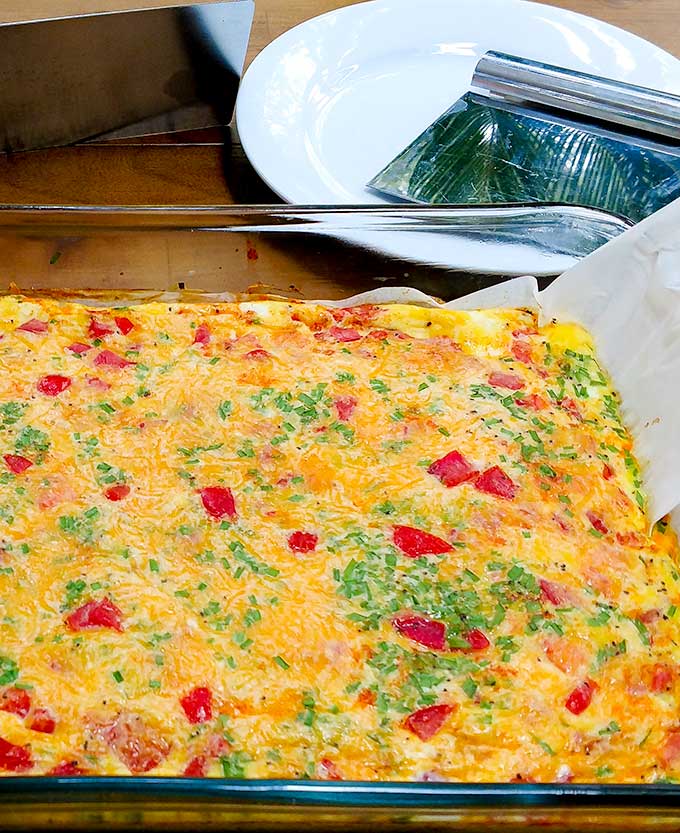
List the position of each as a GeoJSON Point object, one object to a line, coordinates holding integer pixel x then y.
{"type": "Point", "coordinates": [346, 793]}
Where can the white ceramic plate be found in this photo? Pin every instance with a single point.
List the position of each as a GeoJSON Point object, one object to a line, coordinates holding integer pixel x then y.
{"type": "Point", "coordinates": [328, 104]}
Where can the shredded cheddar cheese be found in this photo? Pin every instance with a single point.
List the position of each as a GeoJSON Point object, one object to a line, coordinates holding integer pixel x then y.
{"type": "Point", "coordinates": [268, 539]}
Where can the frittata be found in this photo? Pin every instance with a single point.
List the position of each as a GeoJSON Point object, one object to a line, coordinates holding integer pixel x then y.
{"type": "Point", "coordinates": [270, 539]}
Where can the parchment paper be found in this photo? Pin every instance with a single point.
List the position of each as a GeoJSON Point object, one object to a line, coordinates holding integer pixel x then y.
{"type": "Point", "coordinates": [627, 295]}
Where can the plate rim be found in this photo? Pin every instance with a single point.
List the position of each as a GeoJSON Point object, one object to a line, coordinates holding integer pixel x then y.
{"type": "Point", "coordinates": [355, 9]}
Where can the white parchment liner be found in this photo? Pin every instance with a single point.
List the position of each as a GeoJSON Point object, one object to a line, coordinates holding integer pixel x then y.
{"type": "Point", "coordinates": [627, 295]}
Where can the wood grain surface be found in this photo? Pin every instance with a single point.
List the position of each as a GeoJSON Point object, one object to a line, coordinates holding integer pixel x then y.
{"type": "Point", "coordinates": [204, 170]}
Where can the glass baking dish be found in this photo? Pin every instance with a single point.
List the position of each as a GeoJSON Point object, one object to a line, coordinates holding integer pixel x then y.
{"type": "Point", "coordinates": [128, 254]}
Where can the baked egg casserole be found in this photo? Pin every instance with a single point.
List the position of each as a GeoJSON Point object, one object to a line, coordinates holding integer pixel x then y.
{"type": "Point", "coordinates": [270, 539]}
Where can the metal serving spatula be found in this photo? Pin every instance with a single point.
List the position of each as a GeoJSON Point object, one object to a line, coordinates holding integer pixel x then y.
{"type": "Point", "coordinates": [74, 78]}
{"type": "Point", "coordinates": [530, 132]}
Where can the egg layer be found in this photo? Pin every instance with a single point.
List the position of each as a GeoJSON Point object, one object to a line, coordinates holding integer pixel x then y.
{"type": "Point", "coordinates": [270, 539]}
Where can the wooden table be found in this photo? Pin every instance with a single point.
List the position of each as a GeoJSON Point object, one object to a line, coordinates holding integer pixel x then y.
{"type": "Point", "coordinates": [203, 171]}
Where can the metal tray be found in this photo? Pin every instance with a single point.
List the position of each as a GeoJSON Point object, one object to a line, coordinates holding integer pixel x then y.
{"type": "Point", "coordinates": [299, 252]}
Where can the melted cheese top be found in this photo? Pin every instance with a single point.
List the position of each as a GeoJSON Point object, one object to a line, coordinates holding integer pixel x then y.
{"type": "Point", "coordinates": [267, 539]}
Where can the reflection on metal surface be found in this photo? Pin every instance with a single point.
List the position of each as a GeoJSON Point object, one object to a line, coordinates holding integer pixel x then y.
{"type": "Point", "coordinates": [503, 240]}
{"type": "Point", "coordinates": [528, 132]}
{"type": "Point", "coordinates": [521, 81]}
{"type": "Point", "coordinates": [73, 78]}
{"type": "Point", "coordinates": [554, 229]}
{"type": "Point", "coordinates": [312, 252]}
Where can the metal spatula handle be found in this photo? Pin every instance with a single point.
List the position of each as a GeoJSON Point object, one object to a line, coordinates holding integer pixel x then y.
{"type": "Point", "coordinates": [518, 80]}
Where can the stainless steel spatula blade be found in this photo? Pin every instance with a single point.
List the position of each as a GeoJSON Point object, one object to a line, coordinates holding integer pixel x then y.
{"type": "Point", "coordinates": [528, 132]}
{"type": "Point", "coordinates": [69, 79]}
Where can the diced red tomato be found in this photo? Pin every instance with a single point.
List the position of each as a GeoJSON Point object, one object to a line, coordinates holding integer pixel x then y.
{"type": "Point", "coordinates": [534, 401]}
{"type": "Point", "coordinates": [416, 542]}
{"type": "Point", "coordinates": [571, 408]}
{"type": "Point", "coordinates": [452, 469]}
{"type": "Point", "coordinates": [563, 525]}
{"type": "Point", "coordinates": [137, 745]}
{"type": "Point", "coordinates": [98, 329]}
{"type": "Point", "coordinates": [118, 492]}
{"type": "Point", "coordinates": [495, 481]}
{"type": "Point", "coordinates": [78, 348]}
{"type": "Point", "coordinates": [607, 471]}
{"type": "Point", "coordinates": [107, 358]}
{"type": "Point", "coordinates": [345, 405]}
{"type": "Point", "coordinates": [670, 751]}
{"type": "Point", "coordinates": [662, 677]}
{"type": "Point", "coordinates": [218, 502]}
{"type": "Point", "coordinates": [16, 463]}
{"type": "Point", "coordinates": [124, 325]}
{"type": "Point", "coordinates": [259, 353]}
{"type": "Point", "coordinates": [521, 350]}
{"type": "Point", "coordinates": [425, 723]}
{"type": "Point", "coordinates": [344, 334]}
{"type": "Point", "coordinates": [420, 629]}
{"type": "Point", "coordinates": [478, 639]}
{"type": "Point", "coordinates": [197, 767]}
{"type": "Point", "coordinates": [506, 380]}
{"type": "Point", "coordinates": [202, 335]}
{"type": "Point", "coordinates": [102, 613]}
{"type": "Point", "coordinates": [14, 758]}
{"type": "Point", "coordinates": [53, 384]}
{"type": "Point", "coordinates": [33, 326]}
{"type": "Point", "coordinates": [216, 746]}
{"type": "Point", "coordinates": [328, 771]}
{"type": "Point", "coordinates": [302, 541]}
{"type": "Point", "coordinates": [66, 769]}
{"type": "Point", "coordinates": [197, 705]}
{"type": "Point", "coordinates": [580, 698]}
{"type": "Point", "coordinates": [43, 721]}
{"type": "Point", "coordinates": [631, 538]}
{"type": "Point", "coordinates": [554, 593]}
{"type": "Point", "coordinates": [597, 522]}
{"type": "Point", "coordinates": [15, 701]}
